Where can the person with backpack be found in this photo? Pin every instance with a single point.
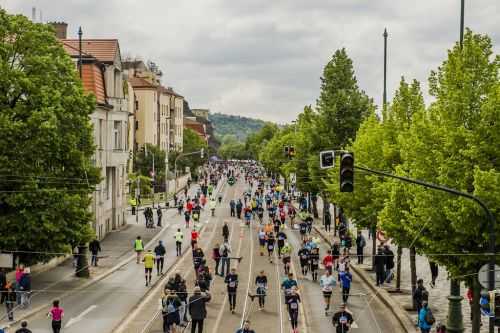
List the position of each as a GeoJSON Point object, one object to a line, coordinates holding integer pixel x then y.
{"type": "Point", "coordinates": [170, 304]}
{"type": "Point", "coordinates": [224, 251]}
{"type": "Point", "coordinates": [198, 309]}
{"type": "Point", "coordinates": [360, 246]}
{"type": "Point", "coordinates": [425, 318]}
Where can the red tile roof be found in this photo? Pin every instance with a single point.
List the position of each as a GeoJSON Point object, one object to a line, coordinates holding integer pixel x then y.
{"type": "Point", "coordinates": [104, 50]}
{"type": "Point", "coordinates": [93, 81]}
{"type": "Point", "coordinates": [138, 82]}
{"type": "Point", "coordinates": [196, 126]}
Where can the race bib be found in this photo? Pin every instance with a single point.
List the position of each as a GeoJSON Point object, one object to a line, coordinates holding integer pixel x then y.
{"type": "Point", "coordinates": [294, 306]}
{"type": "Point", "coordinates": [343, 320]}
{"type": "Point", "coordinates": [232, 284]}
{"type": "Point", "coordinates": [315, 261]}
{"type": "Point", "coordinates": [271, 247]}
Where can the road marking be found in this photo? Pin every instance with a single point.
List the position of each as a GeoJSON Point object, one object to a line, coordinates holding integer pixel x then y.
{"type": "Point", "coordinates": [279, 290]}
{"type": "Point", "coordinates": [249, 277]}
{"type": "Point", "coordinates": [153, 293]}
{"type": "Point", "coordinates": [78, 318]}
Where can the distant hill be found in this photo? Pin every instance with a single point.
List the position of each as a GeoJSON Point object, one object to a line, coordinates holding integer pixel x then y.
{"type": "Point", "coordinates": [238, 126]}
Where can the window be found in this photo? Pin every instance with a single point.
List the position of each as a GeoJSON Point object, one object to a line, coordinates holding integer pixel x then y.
{"type": "Point", "coordinates": [100, 133]}
{"type": "Point", "coordinates": [117, 135]}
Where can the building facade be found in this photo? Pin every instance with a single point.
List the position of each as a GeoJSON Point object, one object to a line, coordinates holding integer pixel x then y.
{"type": "Point", "coordinates": [102, 76]}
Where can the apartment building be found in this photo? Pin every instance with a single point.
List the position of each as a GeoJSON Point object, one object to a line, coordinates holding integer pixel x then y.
{"type": "Point", "coordinates": [101, 74]}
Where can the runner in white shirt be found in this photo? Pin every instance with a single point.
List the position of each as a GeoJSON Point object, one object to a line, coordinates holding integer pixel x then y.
{"type": "Point", "coordinates": [327, 283]}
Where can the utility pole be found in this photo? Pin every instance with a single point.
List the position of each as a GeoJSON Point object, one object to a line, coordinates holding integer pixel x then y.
{"type": "Point", "coordinates": [154, 183]}
{"type": "Point", "coordinates": [137, 195]}
{"type": "Point", "coordinates": [462, 14]}
{"type": "Point", "coordinates": [80, 59]}
{"type": "Point", "coordinates": [384, 97]}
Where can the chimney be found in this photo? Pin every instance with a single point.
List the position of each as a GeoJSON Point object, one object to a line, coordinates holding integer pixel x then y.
{"type": "Point", "coordinates": [61, 29]}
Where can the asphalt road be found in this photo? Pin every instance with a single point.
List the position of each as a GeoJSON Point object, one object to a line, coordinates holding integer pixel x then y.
{"type": "Point", "coordinates": [121, 297]}
{"type": "Point", "coordinates": [101, 306]}
{"type": "Point", "coordinates": [370, 315]}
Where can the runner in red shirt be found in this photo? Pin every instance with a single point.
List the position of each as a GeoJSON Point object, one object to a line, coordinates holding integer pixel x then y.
{"type": "Point", "coordinates": [194, 237]}
{"type": "Point", "coordinates": [328, 262]}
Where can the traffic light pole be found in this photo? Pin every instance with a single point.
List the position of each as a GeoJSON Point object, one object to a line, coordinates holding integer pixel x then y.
{"type": "Point", "coordinates": [489, 216]}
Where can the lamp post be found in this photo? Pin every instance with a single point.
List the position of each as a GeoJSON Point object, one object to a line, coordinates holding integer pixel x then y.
{"type": "Point", "coordinates": [462, 18]}
{"type": "Point", "coordinates": [80, 60]}
{"type": "Point", "coordinates": [384, 97]}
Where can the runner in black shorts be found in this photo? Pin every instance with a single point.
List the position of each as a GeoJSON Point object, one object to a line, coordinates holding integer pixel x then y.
{"type": "Point", "coordinates": [304, 258]}
{"type": "Point", "coordinates": [314, 263]}
{"type": "Point", "coordinates": [270, 246]}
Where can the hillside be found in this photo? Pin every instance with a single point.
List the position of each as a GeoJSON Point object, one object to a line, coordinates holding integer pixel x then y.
{"type": "Point", "coordinates": [238, 126]}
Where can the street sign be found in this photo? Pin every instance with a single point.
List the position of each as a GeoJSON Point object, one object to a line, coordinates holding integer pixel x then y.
{"type": "Point", "coordinates": [483, 276]}
{"type": "Point", "coordinates": [6, 260]}
{"type": "Point", "coordinates": [326, 159]}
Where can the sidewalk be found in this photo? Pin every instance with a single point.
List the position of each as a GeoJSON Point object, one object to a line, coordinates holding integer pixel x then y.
{"type": "Point", "coordinates": [117, 250]}
{"type": "Point", "coordinates": [438, 296]}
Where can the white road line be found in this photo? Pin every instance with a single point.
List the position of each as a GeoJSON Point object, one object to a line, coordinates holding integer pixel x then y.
{"type": "Point", "coordinates": [249, 277]}
{"type": "Point", "coordinates": [78, 318]}
{"type": "Point", "coordinates": [280, 299]}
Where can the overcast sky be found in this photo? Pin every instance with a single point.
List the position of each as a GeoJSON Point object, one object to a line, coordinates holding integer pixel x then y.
{"type": "Point", "coordinates": [262, 58]}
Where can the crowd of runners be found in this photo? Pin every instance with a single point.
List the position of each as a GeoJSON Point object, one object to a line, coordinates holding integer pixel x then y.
{"type": "Point", "coordinates": [263, 206]}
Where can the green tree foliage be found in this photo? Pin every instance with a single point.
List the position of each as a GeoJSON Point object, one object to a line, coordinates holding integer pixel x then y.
{"type": "Point", "coordinates": [256, 142]}
{"type": "Point", "coordinates": [46, 143]}
{"type": "Point", "coordinates": [240, 127]}
{"type": "Point", "coordinates": [144, 184]}
{"type": "Point", "coordinates": [232, 149]}
{"type": "Point", "coordinates": [192, 142]}
{"type": "Point", "coordinates": [144, 165]}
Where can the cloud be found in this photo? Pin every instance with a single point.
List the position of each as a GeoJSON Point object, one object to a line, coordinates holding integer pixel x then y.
{"type": "Point", "coordinates": [264, 58]}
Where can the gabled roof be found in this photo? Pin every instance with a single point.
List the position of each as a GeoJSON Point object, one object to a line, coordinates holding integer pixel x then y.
{"type": "Point", "coordinates": [169, 91]}
{"type": "Point", "coordinates": [104, 50]}
{"type": "Point", "coordinates": [138, 82]}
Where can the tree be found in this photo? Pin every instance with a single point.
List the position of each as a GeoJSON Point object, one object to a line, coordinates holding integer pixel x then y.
{"type": "Point", "coordinates": [341, 108]}
{"type": "Point", "coordinates": [192, 142]}
{"type": "Point", "coordinates": [46, 144]}
{"type": "Point", "coordinates": [144, 165]}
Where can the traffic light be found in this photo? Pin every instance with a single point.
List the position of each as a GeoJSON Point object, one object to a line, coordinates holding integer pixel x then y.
{"type": "Point", "coordinates": [326, 159]}
{"type": "Point", "coordinates": [347, 172]}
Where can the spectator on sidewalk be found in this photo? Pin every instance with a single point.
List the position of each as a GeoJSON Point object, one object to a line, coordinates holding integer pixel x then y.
{"type": "Point", "coordinates": [434, 272]}
{"type": "Point", "coordinates": [380, 266]}
{"type": "Point", "coordinates": [24, 327]}
{"type": "Point", "coordinates": [360, 246]}
{"type": "Point", "coordinates": [420, 296]}
{"type": "Point", "coordinates": [426, 318]}
{"type": "Point", "coordinates": [197, 309]}
{"type": "Point", "coordinates": [10, 300]}
{"type": "Point", "coordinates": [25, 288]}
{"type": "Point", "coordinates": [160, 214]}
{"type": "Point", "coordinates": [328, 221]}
{"type": "Point", "coordinates": [95, 248]}
{"type": "Point", "coordinates": [389, 263]}
{"type": "Point", "coordinates": [3, 283]}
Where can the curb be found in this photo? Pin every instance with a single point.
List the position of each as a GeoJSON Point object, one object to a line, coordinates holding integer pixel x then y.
{"type": "Point", "coordinates": [91, 281]}
{"type": "Point", "coordinates": [396, 310]}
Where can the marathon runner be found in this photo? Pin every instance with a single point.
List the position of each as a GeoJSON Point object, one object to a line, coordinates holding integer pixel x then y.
{"type": "Point", "coordinates": [327, 283]}
{"type": "Point", "coordinates": [261, 284]}
{"type": "Point", "coordinates": [293, 309]}
{"type": "Point", "coordinates": [149, 262]}
{"type": "Point", "coordinates": [232, 286]}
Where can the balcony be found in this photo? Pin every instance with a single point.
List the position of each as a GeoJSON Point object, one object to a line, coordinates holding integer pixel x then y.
{"type": "Point", "coordinates": [119, 104]}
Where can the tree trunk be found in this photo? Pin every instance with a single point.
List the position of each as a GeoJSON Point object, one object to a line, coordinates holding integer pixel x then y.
{"type": "Point", "coordinates": [475, 310]}
{"type": "Point", "coordinates": [326, 207]}
{"type": "Point", "coordinates": [374, 244]}
{"type": "Point", "coordinates": [398, 268]}
{"type": "Point", "coordinates": [413, 274]}
{"type": "Point", "coordinates": [315, 206]}
{"type": "Point", "coordinates": [334, 220]}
